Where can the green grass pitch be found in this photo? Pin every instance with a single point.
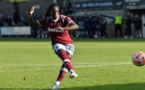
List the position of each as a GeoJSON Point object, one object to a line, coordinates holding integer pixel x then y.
{"type": "Point", "coordinates": [102, 64]}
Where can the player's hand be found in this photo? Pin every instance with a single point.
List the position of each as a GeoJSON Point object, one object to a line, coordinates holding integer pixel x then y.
{"type": "Point", "coordinates": [31, 10]}
{"type": "Point", "coordinates": [59, 28]}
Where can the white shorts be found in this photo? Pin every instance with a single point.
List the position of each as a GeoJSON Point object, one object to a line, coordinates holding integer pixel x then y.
{"type": "Point", "coordinates": [68, 48]}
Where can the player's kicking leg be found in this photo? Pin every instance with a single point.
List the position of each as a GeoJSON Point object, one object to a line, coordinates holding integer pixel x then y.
{"type": "Point", "coordinates": [66, 63]}
{"type": "Point", "coordinates": [62, 74]}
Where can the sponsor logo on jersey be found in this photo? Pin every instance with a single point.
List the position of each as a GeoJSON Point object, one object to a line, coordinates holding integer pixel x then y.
{"type": "Point", "coordinates": [55, 30]}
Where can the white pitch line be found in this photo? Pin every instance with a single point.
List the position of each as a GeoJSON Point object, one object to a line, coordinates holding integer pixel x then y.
{"type": "Point", "coordinates": [104, 65]}
{"type": "Point", "coordinates": [28, 65]}
{"type": "Point", "coordinates": [37, 69]}
{"type": "Point", "coordinates": [61, 64]}
{"type": "Point", "coordinates": [84, 66]}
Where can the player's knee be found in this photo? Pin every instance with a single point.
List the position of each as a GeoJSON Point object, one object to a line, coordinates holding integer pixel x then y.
{"type": "Point", "coordinates": [59, 51]}
{"type": "Point", "coordinates": [69, 55]}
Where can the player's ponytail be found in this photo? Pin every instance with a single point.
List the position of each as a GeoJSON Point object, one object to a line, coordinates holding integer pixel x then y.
{"type": "Point", "coordinates": [50, 8]}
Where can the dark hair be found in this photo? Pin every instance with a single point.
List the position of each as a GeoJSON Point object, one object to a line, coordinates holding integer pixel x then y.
{"type": "Point", "coordinates": [50, 8]}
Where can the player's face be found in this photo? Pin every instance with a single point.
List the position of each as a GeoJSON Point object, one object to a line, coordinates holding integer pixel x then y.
{"type": "Point", "coordinates": [55, 12]}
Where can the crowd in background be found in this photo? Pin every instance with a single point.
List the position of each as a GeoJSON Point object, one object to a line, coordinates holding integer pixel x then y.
{"type": "Point", "coordinates": [94, 26]}
{"type": "Point", "coordinates": [129, 19]}
{"type": "Point", "coordinates": [9, 21]}
{"type": "Point", "coordinates": [41, 32]}
{"type": "Point", "coordinates": [15, 19]}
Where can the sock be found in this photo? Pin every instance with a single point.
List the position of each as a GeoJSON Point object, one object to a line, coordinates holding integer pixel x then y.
{"type": "Point", "coordinates": [57, 82]}
{"type": "Point", "coordinates": [62, 54]}
{"type": "Point", "coordinates": [71, 71]}
{"type": "Point", "coordinates": [62, 73]}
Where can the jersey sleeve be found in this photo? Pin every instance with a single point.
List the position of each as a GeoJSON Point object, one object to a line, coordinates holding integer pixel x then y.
{"type": "Point", "coordinates": [42, 22]}
{"type": "Point", "coordinates": [67, 20]}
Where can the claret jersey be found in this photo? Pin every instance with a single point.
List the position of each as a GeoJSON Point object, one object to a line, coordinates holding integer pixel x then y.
{"type": "Point", "coordinates": [57, 36]}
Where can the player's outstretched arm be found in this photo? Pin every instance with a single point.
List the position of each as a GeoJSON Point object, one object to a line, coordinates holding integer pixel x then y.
{"type": "Point", "coordinates": [72, 26]}
{"type": "Point", "coordinates": [31, 21]}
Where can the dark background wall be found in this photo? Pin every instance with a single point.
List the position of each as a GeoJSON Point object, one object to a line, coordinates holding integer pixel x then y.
{"type": "Point", "coordinates": [24, 6]}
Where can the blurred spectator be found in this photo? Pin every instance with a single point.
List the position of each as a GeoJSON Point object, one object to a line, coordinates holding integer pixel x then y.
{"type": "Point", "coordinates": [16, 6]}
{"type": "Point", "coordinates": [100, 25]}
{"type": "Point", "coordinates": [62, 11]}
{"type": "Point", "coordinates": [67, 4]}
{"type": "Point", "coordinates": [25, 21]}
{"type": "Point", "coordinates": [118, 24]}
{"type": "Point", "coordinates": [103, 27]}
{"type": "Point", "coordinates": [42, 32]}
{"type": "Point", "coordinates": [1, 22]}
{"type": "Point", "coordinates": [38, 32]}
{"type": "Point", "coordinates": [90, 27]}
{"type": "Point", "coordinates": [138, 25]}
{"type": "Point", "coordinates": [75, 19]}
{"type": "Point", "coordinates": [66, 11]}
{"type": "Point", "coordinates": [1, 14]}
{"type": "Point", "coordinates": [6, 21]}
{"type": "Point", "coordinates": [15, 17]}
{"type": "Point", "coordinates": [128, 22]}
{"type": "Point", "coordinates": [34, 32]}
{"type": "Point", "coordinates": [70, 11]}
{"type": "Point", "coordinates": [85, 23]}
{"type": "Point", "coordinates": [95, 25]}
{"type": "Point", "coordinates": [132, 17]}
{"type": "Point", "coordinates": [16, 12]}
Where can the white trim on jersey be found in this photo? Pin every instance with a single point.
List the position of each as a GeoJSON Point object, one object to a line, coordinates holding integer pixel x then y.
{"type": "Point", "coordinates": [69, 23]}
{"type": "Point", "coordinates": [38, 22]}
{"type": "Point", "coordinates": [63, 17]}
{"type": "Point", "coordinates": [54, 20]}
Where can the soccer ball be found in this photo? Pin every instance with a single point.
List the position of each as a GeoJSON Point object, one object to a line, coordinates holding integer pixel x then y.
{"type": "Point", "coordinates": [138, 58]}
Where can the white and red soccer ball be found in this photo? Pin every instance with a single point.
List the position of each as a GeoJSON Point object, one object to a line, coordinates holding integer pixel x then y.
{"type": "Point", "coordinates": [138, 58]}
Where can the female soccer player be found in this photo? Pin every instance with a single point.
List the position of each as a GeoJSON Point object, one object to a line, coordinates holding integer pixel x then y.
{"type": "Point", "coordinates": [58, 26]}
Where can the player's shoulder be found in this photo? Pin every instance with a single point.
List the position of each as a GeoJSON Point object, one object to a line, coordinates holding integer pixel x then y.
{"type": "Point", "coordinates": [63, 17]}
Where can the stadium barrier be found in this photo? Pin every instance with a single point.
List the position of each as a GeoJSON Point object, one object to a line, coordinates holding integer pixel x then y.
{"type": "Point", "coordinates": [15, 31]}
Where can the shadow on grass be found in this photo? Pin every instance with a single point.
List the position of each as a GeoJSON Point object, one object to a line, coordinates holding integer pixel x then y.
{"type": "Point", "coordinates": [130, 86]}
{"type": "Point", "coordinates": [75, 40]}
